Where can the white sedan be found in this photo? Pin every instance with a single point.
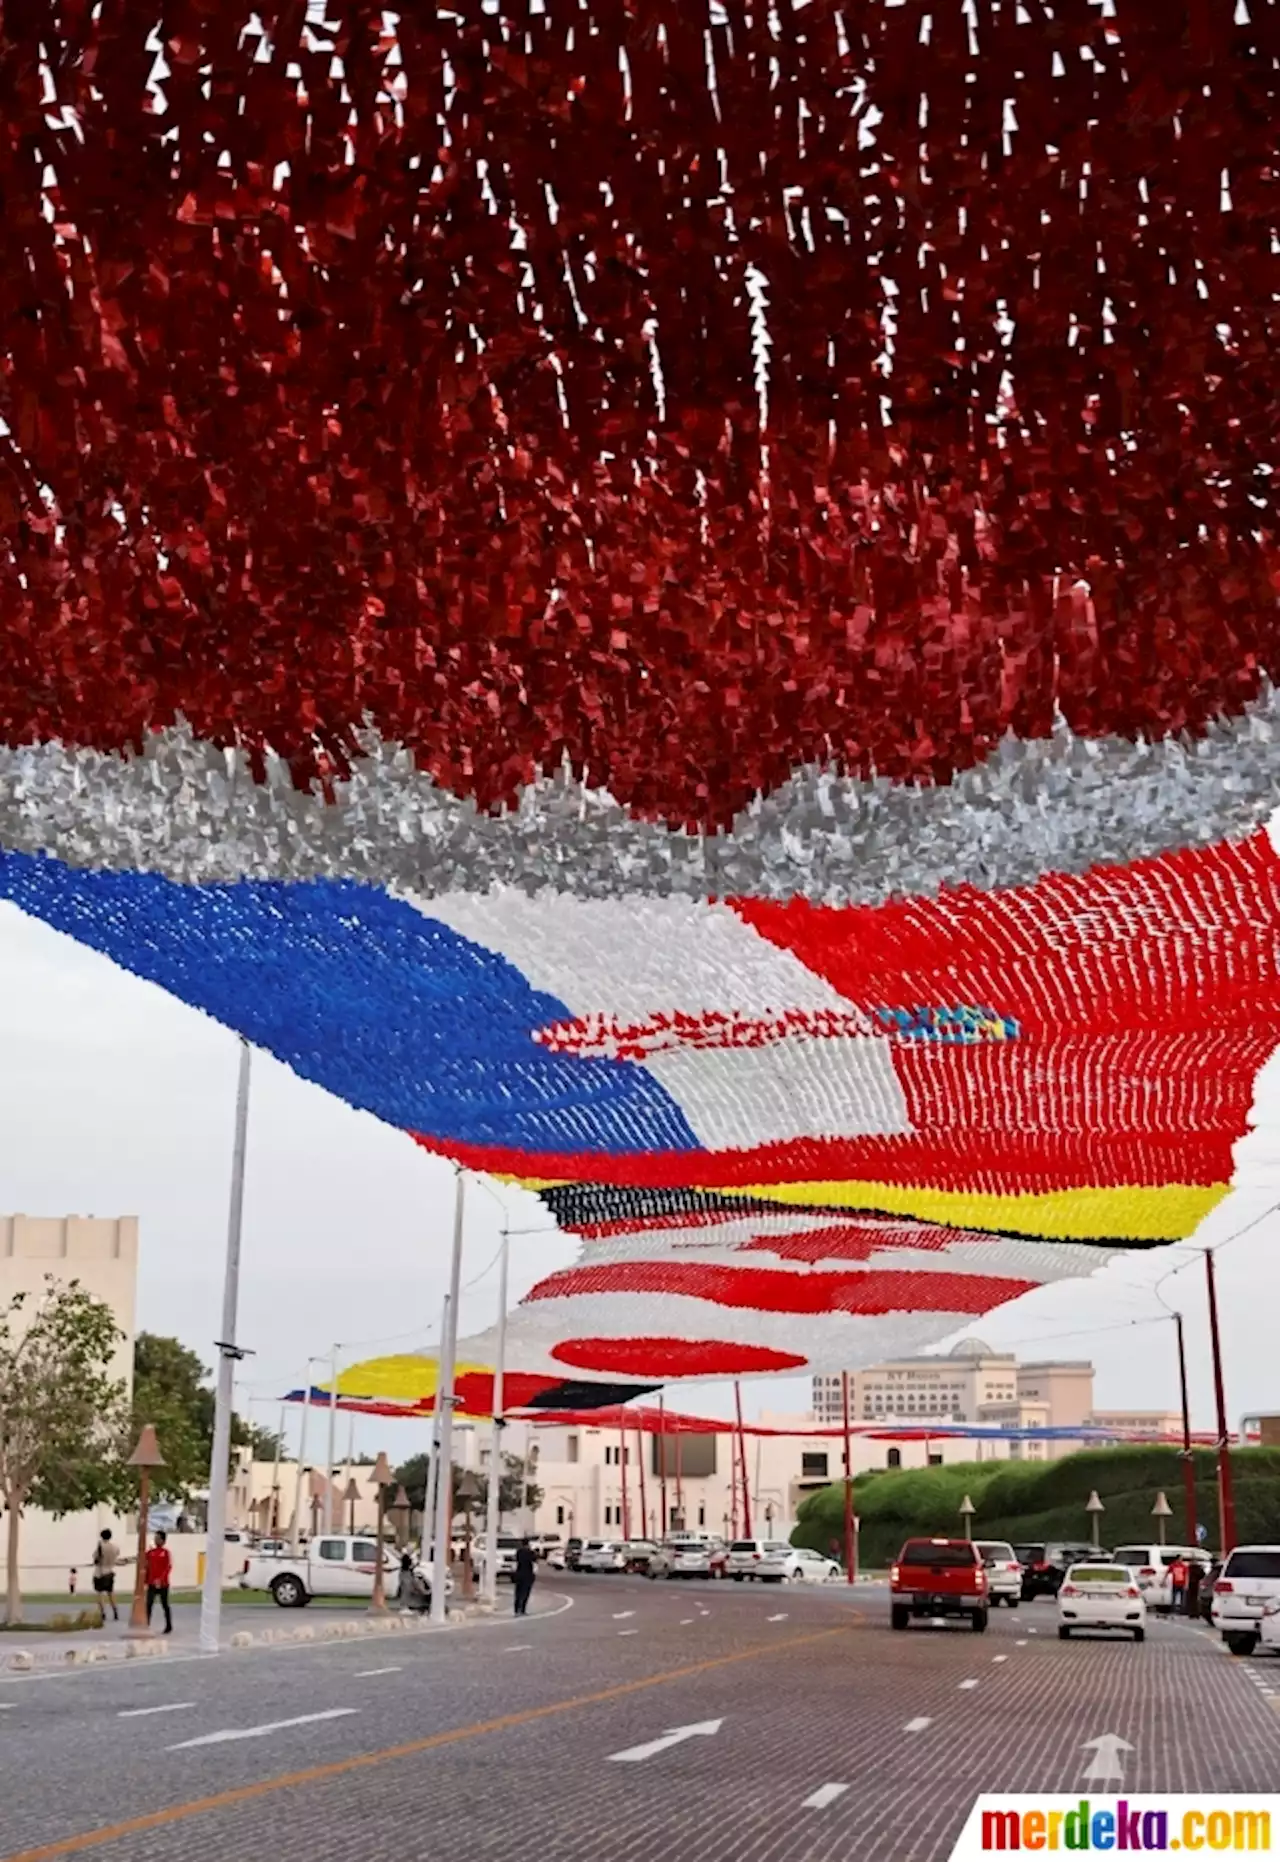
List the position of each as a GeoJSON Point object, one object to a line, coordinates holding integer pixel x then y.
{"type": "Point", "coordinates": [793, 1564]}
{"type": "Point", "coordinates": [1099, 1595]}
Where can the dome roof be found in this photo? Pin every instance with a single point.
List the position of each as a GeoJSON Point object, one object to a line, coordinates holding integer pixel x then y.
{"type": "Point", "coordinates": [971, 1348]}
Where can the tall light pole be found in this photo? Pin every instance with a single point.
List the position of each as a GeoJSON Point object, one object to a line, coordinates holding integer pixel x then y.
{"type": "Point", "coordinates": [1226, 1495]}
{"type": "Point", "coordinates": [228, 1353]}
{"type": "Point", "coordinates": [333, 1438]}
{"type": "Point", "coordinates": [1187, 1457]}
{"type": "Point", "coordinates": [302, 1456]}
{"type": "Point", "coordinates": [493, 1500]}
{"type": "Point", "coordinates": [444, 1404]}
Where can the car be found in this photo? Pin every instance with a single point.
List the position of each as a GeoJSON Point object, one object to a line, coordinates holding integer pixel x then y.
{"type": "Point", "coordinates": [1101, 1595]}
{"type": "Point", "coordinates": [1004, 1573]}
{"type": "Point", "coordinates": [639, 1554]}
{"type": "Point", "coordinates": [554, 1558]}
{"type": "Point", "coordinates": [507, 1547]}
{"type": "Point", "coordinates": [1151, 1565]}
{"type": "Point", "coordinates": [796, 1564]}
{"type": "Point", "coordinates": [688, 1557]}
{"type": "Point", "coordinates": [572, 1553]}
{"type": "Point", "coordinates": [602, 1555]}
{"type": "Point", "coordinates": [335, 1564]}
{"type": "Point", "coordinates": [1044, 1565]}
{"type": "Point", "coordinates": [937, 1578]}
{"type": "Point", "coordinates": [1248, 1582]}
{"type": "Point", "coordinates": [744, 1556]}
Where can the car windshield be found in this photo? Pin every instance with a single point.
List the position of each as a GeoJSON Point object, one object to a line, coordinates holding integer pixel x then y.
{"type": "Point", "coordinates": [777, 1548]}
{"type": "Point", "coordinates": [1029, 1554]}
{"type": "Point", "coordinates": [1098, 1574]}
{"type": "Point", "coordinates": [938, 1555]}
{"type": "Point", "coordinates": [1255, 1564]}
{"type": "Point", "coordinates": [996, 1548]}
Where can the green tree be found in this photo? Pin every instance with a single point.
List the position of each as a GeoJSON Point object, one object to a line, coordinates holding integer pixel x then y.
{"type": "Point", "coordinates": [171, 1389]}
{"type": "Point", "coordinates": [63, 1417]}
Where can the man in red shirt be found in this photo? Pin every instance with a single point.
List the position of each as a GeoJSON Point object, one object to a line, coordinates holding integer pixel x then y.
{"type": "Point", "coordinates": [1177, 1584]}
{"type": "Point", "coordinates": [159, 1569]}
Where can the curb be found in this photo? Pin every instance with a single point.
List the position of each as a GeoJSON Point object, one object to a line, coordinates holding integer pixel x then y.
{"type": "Point", "coordinates": [346, 1629]}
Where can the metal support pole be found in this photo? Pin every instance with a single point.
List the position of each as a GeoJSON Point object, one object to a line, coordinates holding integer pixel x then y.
{"type": "Point", "coordinates": [274, 1514]}
{"type": "Point", "coordinates": [645, 1527]}
{"type": "Point", "coordinates": [433, 1465]}
{"type": "Point", "coordinates": [444, 1405]}
{"type": "Point", "coordinates": [850, 1549]}
{"type": "Point", "coordinates": [742, 1459]}
{"type": "Point", "coordinates": [220, 1456]}
{"type": "Point", "coordinates": [333, 1439]}
{"type": "Point", "coordinates": [302, 1456]}
{"type": "Point", "coordinates": [622, 1465]}
{"type": "Point", "coordinates": [1226, 1496]}
{"type": "Point", "coordinates": [1187, 1457]}
{"type": "Point", "coordinates": [662, 1437]}
{"type": "Point", "coordinates": [493, 1504]}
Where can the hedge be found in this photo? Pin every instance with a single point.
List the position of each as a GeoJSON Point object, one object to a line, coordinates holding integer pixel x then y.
{"type": "Point", "coordinates": [1045, 1500]}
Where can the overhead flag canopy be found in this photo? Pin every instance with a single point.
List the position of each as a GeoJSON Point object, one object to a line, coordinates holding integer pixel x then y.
{"type": "Point", "coordinates": [679, 604]}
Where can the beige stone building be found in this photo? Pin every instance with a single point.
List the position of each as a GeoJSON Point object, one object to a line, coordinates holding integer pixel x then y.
{"type": "Point", "coordinates": [101, 1252]}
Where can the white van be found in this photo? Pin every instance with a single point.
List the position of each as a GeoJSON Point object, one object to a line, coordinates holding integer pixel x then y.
{"type": "Point", "coordinates": [1150, 1566]}
{"type": "Point", "coordinates": [1246, 1584]}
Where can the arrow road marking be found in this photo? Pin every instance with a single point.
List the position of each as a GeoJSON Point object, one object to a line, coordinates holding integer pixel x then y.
{"type": "Point", "coordinates": [139, 1713]}
{"type": "Point", "coordinates": [261, 1732]}
{"type": "Point", "coordinates": [633, 1755]}
{"type": "Point", "coordinates": [620, 1616]}
{"type": "Point", "coordinates": [1106, 1761]}
{"type": "Point", "coordinates": [916, 1726]}
{"type": "Point", "coordinates": [824, 1795]}
{"type": "Point", "coordinates": [780, 1618]}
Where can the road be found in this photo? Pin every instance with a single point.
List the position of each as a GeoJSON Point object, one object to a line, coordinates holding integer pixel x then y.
{"type": "Point", "coordinates": [645, 1721]}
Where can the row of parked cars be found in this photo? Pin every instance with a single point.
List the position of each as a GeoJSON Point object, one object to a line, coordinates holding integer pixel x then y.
{"type": "Point", "coordinates": [699, 1555]}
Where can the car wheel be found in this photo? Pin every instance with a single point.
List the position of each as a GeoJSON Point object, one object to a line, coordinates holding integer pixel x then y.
{"type": "Point", "coordinates": [1013, 1602]}
{"type": "Point", "coordinates": [1241, 1644]}
{"type": "Point", "coordinates": [1064, 1634]}
{"type": "Point", "coordinates": [1139, 1635]}
{"type": "Point", "coordinates": [794, 1577]}
{"type": "Point", "coordinates": [899, 1616]}
{"type": "Point", "coordinates": [737, 1577]}
{"type": "Point", "coordinates": [978, 1621]}
{"type": "Point", "coordinates": [289, 1592]}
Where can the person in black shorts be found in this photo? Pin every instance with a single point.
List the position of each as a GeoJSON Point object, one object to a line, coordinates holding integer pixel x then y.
{"type": "Point", "coordinates": [106, 1557]}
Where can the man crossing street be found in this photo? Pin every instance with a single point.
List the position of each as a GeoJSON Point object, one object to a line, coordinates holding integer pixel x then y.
{"type": "Point", "coordinates": [526, 1575]}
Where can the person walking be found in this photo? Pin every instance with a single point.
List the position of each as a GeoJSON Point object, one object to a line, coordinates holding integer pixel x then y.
{"type": "Point", "coordinates": [526, 1576]}
{"type": "Point", "coordinates": [106, 1560]}
{"type": "Point", "coordinates": [1177, 1585]}
{"type": "Point", "coordinates": [159, 1569]}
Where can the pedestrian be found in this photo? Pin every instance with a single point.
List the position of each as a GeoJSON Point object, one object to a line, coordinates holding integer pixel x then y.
{"type": "Point", "coordinates": [159, 1570]}
{"type": "Point", "coordinates": [410, 1590]}
{"type": "Point", "coordinates": [526, 1576]}
{"type": "Point", "coordinates": [1195, 1578]}
{"type": "Point", "coordinates": [1177, 1584]}
{"type": "Point", "coordinates": [106, 1558]}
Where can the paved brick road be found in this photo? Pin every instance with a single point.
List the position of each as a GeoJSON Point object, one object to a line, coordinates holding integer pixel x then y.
{"type": "Point", "coordinates": [510, 1727]}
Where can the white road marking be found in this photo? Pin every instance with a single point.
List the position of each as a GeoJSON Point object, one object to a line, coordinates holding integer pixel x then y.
{"type": "Point", "coordinates": [1106, 1761]}
{"type": "Point", "coordinates": [999, 1658]}
{"type": "Point", "coordinates": [628, 1632]}
{"type": "Point", "coordinates": [780, 1618]}
{"type": "Point", "coordinates": [517, 1648]}
{"type": "Point", "coordinates": [685, 1621]}
{"type": "Point", "coordinates": [1034, 1632]}
{"type": "Point", "coordinates": [1021, 1643]}
{"type": "Point", "coordinates": [140, 1713]}
{"type": "Point", "coordinates": [676, 1736]}
{"type": "Point", "coordinates": [916, 1726]}
{"type": "Point", "coordinates": [965, 1684]}
{"type": "Point", "coordinates": [620, 1616]}
{"type": "Point", "coordinates": [260, 1732]}
{"type": "Point", "coordinates": [824, 1795]}
{"type": "Point", "coordinates": [7, 1706]}
{"type": "Point", "coordinates": [366, 1674]}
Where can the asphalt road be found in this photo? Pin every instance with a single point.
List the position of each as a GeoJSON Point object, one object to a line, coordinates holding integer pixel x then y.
{"type": "Point", "coordinates": [501, 1740]}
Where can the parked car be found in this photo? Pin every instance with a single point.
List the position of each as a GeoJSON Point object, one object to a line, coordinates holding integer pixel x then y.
{"type": "Point", "coordinates": [744, 1556]}
{"type": "Point", "coordinates": [572, 1553]}
{"type": "Point", "coordinates": [1004, 1573]}
{"type": "Point", "coordinates": [554, 1558]}
{"type": "Point", "coordinates": [334, 1565]}
{"type": "Point", "coordinates": [639, 1554]}
{"type": "Point", "coordinates": [689, 1558]}
{"type": "Point", "coordinates": [1248, 1582]}
{"type": "Point", "coordinates": [1044, 1566]}
{"type": "Point", "coordinates": [507, 1547]}
{"type": "Point", "coordinates": [1101, 1595]}
{"type": "Point", "coordinates": [602, 1555]}
{"type": "Point", "coordinates": [938, 1577]}
{"type": "Point", "coordinates": [795, 1564]}
{"type": "Point", "coordinates": [1150, 1564]}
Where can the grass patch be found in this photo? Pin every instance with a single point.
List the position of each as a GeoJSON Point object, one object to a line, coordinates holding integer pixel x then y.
{"type": "Point", "coordinates": [63, 1623]}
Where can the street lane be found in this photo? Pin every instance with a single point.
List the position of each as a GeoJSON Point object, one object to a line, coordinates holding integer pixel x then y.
{"type": "Point", "coordinates": [832, 1736]}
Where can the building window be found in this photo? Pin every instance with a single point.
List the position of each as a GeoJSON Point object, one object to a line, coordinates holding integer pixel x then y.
{"type": "Point", "coordinates": [560, 1516]}
{"type": "Point", "coordinates": [702, 1515]}
{"type": "Point", "coordinates": [571, 1448]}
{"type": "Point", "coordinates": [935, 1461]}
{"type": "Point", "coordinates": [813, 1466]}
{"type": "Point", "coordinates": [894, 1458]}
{"type": "Point", "coordinates": [610, 1457]}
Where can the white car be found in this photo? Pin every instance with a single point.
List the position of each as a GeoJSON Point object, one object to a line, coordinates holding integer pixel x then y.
{"type": "Point", "coordinates": [1246, 1585]}
{"type": "Point", "coordinates": [505, 1555]}
{"type": "Point", "coordinates": [744, 1557]}
{"type": "Point", "coordinates": [1101, 1595]}
{"type": "Point", "coordinates": [602, 1555]}
{"type": "Point", "coordinates": [793, 1564]}
{"type": "Point", "coordinates": [1004, 1573]}
{"type": "Point", "coordinates": [1150, 1564]}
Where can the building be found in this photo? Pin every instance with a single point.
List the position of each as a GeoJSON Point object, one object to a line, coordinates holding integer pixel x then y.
{"type": "Point", "coordinates": [971, 1383]}
{"type": "Point", "coordinates": [101, 1252]}
{"type": "Point", "coordinates": [1157, 1422]}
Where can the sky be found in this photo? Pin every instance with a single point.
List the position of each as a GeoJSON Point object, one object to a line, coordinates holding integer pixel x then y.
{"type": "Point", "coordinates": [115, 1099]}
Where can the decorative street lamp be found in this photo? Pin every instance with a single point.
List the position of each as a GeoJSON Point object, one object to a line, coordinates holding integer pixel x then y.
{"type": "Point", "coordinates": [319, 1483]}
{"type": "Point", "coordinates": [400, 1507]}
{"type": "Point", "coordinates": [382, 1478]}
{"type": "Point", "coordinates": [967, 1510]}
{"type": "Point", "coordinates": [145, 1457]}
{"type": "Point", "coordinates": [351, 1496]}
{"type": "Point", "coordinates": [1160, 1512]}
{"type": "Point", "coordinates": [1094, 1508]}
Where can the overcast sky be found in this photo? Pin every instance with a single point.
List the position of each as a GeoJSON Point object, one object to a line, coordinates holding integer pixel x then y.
{"type": "Point", "coordinates": [117, 1100]}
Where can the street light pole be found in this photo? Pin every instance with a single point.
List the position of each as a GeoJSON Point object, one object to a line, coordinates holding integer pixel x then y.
{"type": "Point", "coordinates": [1226, 1495]}
{"type": "Point", "coordinates": [333, 1438]}
{"type": "Point", "coordinates": [493, 1502]}
{"type": "Point", "coordinates": [302, 1456]}
{"type": "Point", "coordinates": [850, 1553]}
{"type": "Point", "coordinates": [444, 1404]}
{"type": "Point", "coordinates": [1187, 1457]}
{"type": "Point", "coordinates": [220, 1455]}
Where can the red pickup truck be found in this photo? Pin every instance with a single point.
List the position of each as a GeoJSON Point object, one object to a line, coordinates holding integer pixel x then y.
{"type": "Point", "coordinates": [938, 1577]}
